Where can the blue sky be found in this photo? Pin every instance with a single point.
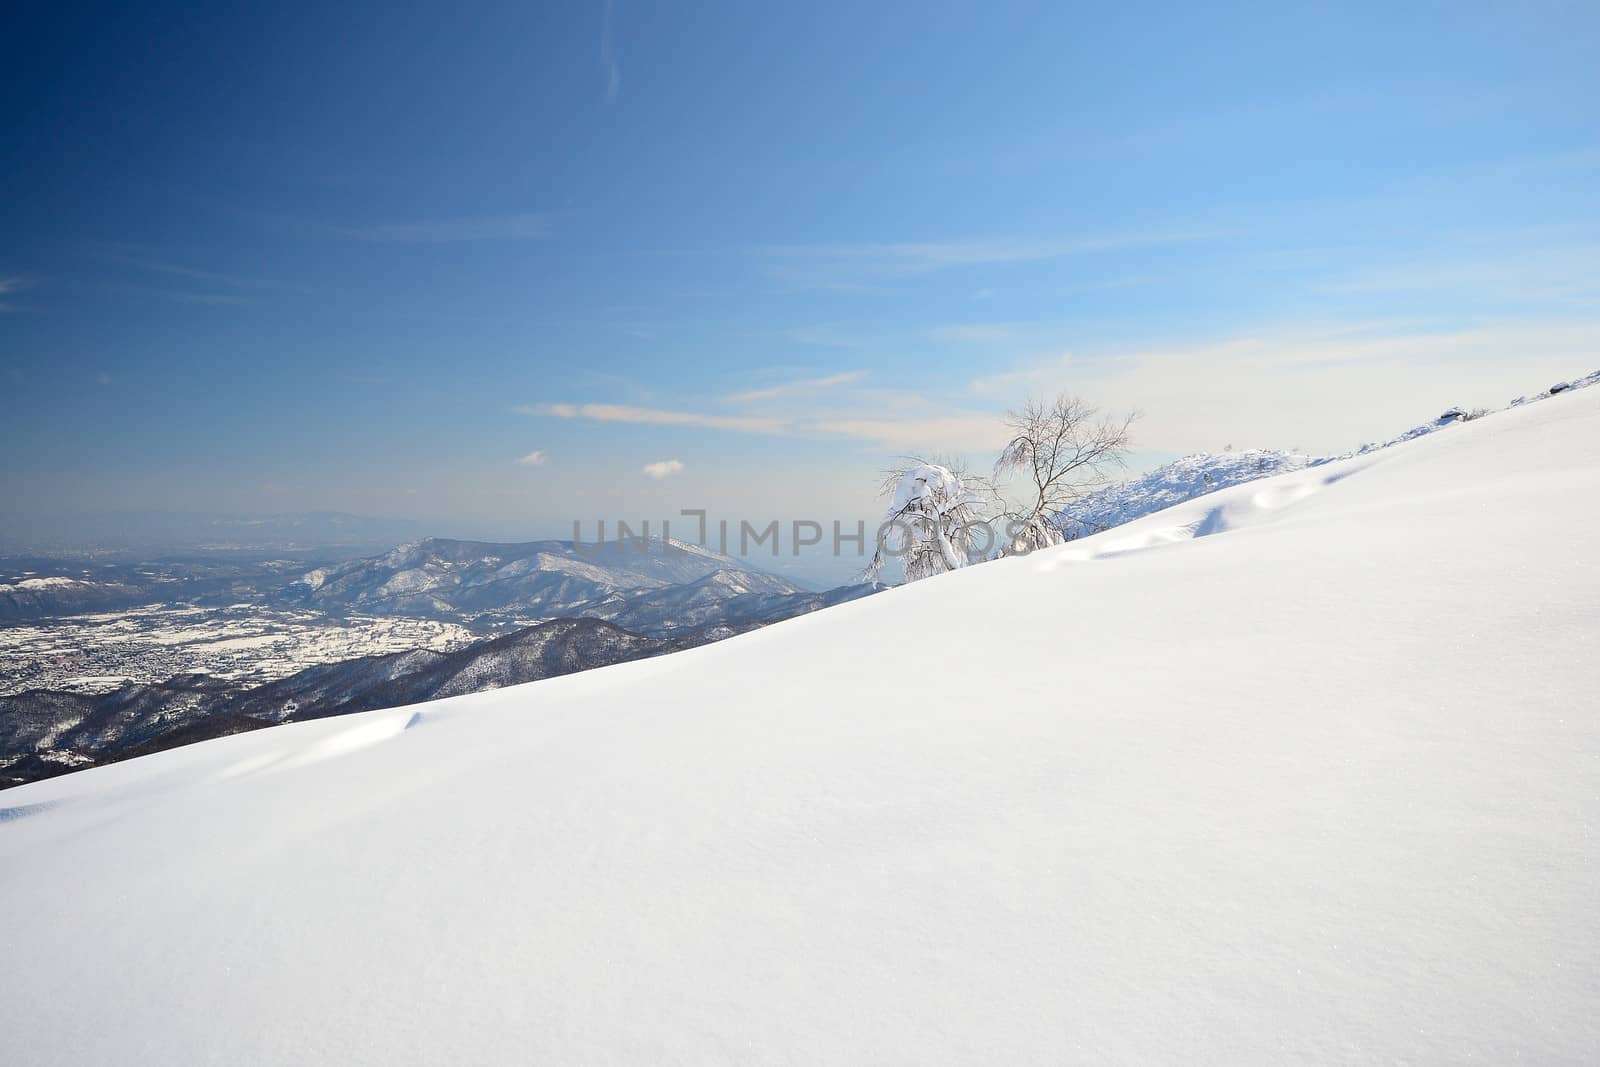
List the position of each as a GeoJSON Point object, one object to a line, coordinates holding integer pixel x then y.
{"type": "Point", "coordinates": [286, 257]}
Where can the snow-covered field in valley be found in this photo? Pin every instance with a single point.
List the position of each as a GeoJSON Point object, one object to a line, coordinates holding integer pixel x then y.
{"type": "Point", "coordinates": [1307, 770]}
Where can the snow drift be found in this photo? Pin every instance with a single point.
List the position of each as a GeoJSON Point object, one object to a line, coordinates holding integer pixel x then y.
{"type": "Point", "coordinates": [1307, 770]}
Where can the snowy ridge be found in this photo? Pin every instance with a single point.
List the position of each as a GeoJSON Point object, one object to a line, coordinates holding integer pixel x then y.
{"type": "Point", "coordinates": [1206, 472]}
{"type": "Point", "coordinates": [536, 579]}
{"type": "Point", "coordinates": [1178, 481]}
{"type": "Point", "coordinates": [34, 584]}
{"type": "Point", "coordinates": [1323, 791]}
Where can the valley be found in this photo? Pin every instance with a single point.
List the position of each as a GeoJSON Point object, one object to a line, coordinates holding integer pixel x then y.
{"type": "Point", "coordinates": [246, 642]}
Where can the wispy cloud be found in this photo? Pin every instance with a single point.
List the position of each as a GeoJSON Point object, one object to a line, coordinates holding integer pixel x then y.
{"type": "Point", "coordinates": [954, 430]}
{"type": "Point", "coordinates": [142, 271]}
{"type": "Point", "coordinates": [9, 287]}
{"type": "Point", "coordinates": [1537, 270]}
{"type": "Point", "coordinates": [1031, 377]}
{"type": "Point", "coordinates": [889, 418]}
{"type": "Point", "coordinates": [804, 385]}
{"type": "Point", "coordinates": [214, 299]}
{"type": "Point", "coordinates": [441, 231]}
{"type": "Point", "coordinates": [848, 265]}
{"type": "Point", "coordinates": [830, 337]}
{"type": "Point", "coordinates": [608, 54]}
{"type": "Point", "coordinates": [532, 459]}
{"type": "Point", "coordinates": [140, 258]}
{"type": "Point", "coordinates": [161, 292]}
{"type": "Point", "coordinates": [653, 417]}
{"type": "Point", "coordinates": [974, 331]}
{"type": "Point", "coordinates": [663, 468]}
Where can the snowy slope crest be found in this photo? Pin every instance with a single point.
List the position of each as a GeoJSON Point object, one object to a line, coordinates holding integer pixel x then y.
{"type": "Point", "coordinates": [1178, 481]}
{"type": "Point", "coordinates": [1204, 472]}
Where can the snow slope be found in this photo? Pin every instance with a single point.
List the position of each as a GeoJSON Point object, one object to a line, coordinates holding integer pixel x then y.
{"type": "Point", "coordinates": [1307, 770]}
{"type": "Point", "coordinates": [1205, 472]}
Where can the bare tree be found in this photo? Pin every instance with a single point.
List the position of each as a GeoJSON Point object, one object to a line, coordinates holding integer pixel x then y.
{"type": "Point", "coordinates": [1064, 449]}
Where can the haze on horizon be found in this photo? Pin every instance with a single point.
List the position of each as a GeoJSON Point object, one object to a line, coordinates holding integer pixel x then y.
{"type": "Point", "coordinates": [501, 267]}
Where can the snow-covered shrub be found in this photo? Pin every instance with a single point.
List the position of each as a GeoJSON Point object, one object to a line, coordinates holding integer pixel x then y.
{"type": "Point", "coordinates": [931, 524]}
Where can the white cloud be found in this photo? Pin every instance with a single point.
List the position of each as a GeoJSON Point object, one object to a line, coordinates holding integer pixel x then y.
{"type": "Point", "coordinates": [1328, 387]}
{"type": "Point", "coordinates": [663, 468]}
{"type": "Point", "coordinates": [803, 385]}
{"type": "Point", "coordinates": [654, 417]}
{"type": "Point", "coordinates": [1325, 388]}
{"type": "Point", "coordinates": [891, 418]}
{"type": "Point", "coordinates": [440, 231]}
{"type": "Point", "coordinates": [532, 459]}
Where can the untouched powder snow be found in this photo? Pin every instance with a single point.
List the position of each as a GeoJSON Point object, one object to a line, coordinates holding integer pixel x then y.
{"type": "Point", "coordinates": [1307, 770]}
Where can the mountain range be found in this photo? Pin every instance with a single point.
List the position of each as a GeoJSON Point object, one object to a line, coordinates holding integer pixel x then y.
{"type": "Point", "coordinates": [483, 581]}
{"type": "Point", "coordinates": [618, 608]}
